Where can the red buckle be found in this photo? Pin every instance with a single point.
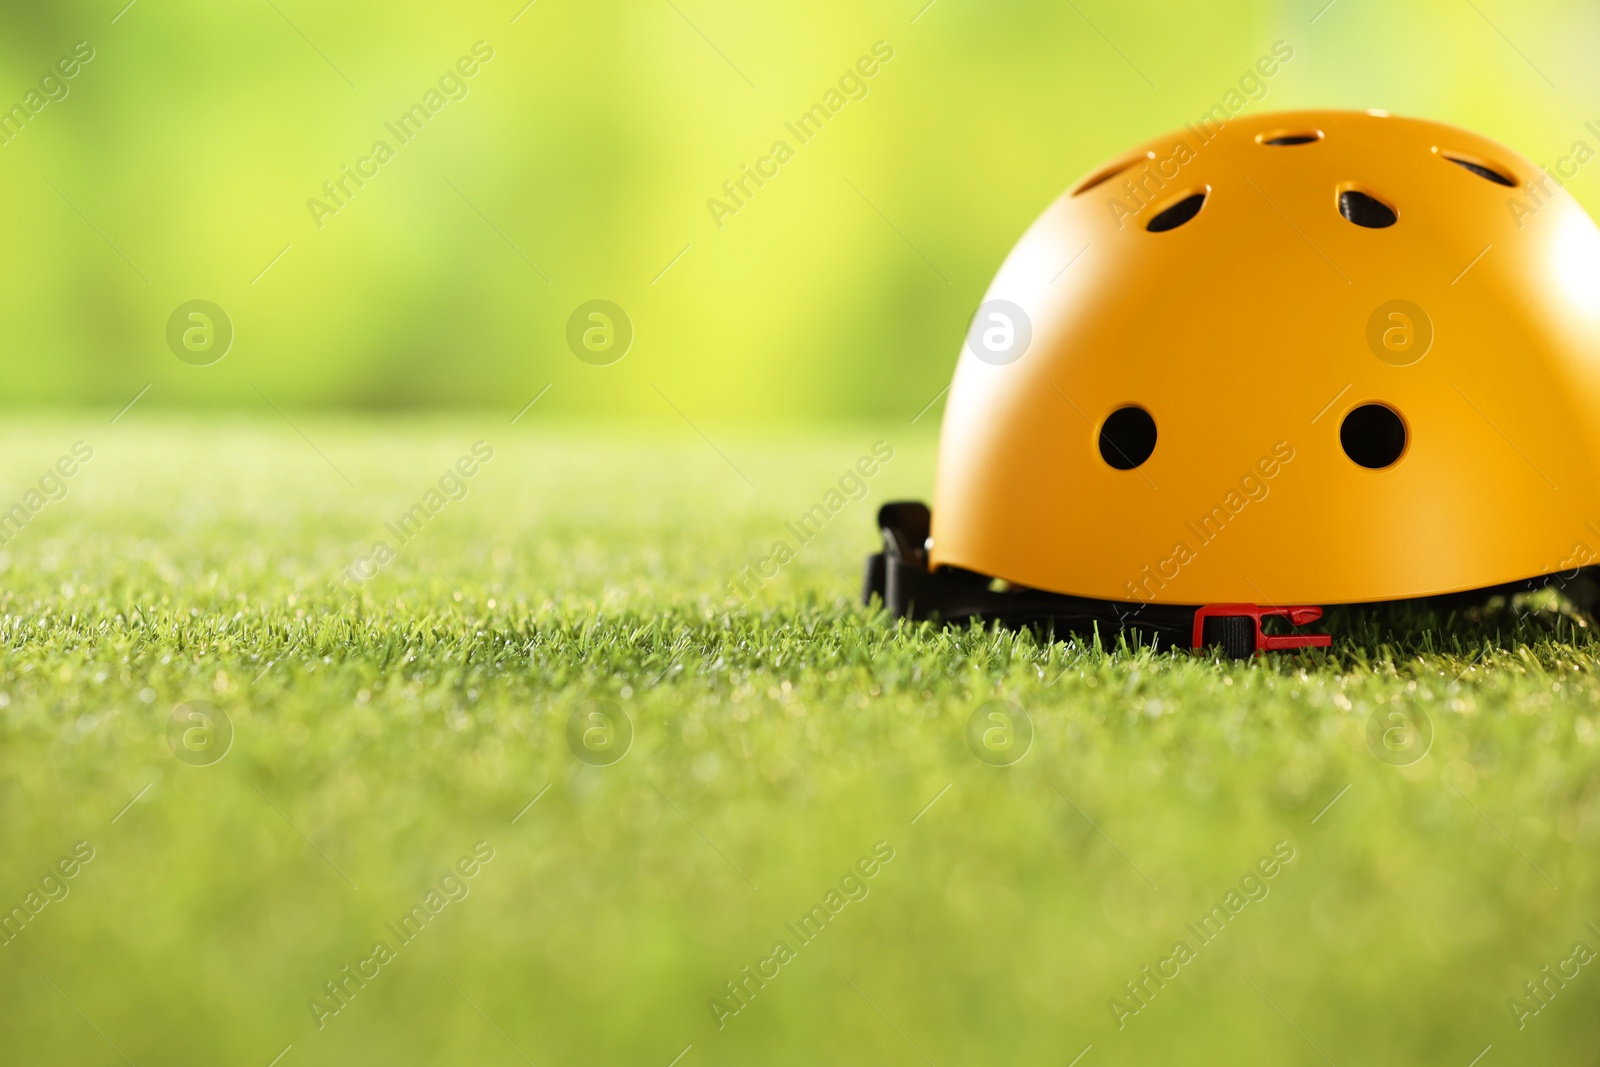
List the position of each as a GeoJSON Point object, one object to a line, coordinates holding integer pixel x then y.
{"type": "Point", "coordinates": [1265, 642]}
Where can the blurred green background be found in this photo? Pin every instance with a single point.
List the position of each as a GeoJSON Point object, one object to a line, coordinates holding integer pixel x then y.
{"type": "Point", "coordinates": [579, 165]}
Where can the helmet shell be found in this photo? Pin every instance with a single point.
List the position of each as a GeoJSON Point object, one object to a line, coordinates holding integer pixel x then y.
{"type": "Point", "coordinates": [1249, 333]}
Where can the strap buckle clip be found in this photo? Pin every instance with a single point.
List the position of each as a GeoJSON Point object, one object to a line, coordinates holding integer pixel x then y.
{"type": "Point", "coordinates": [1297, 616]}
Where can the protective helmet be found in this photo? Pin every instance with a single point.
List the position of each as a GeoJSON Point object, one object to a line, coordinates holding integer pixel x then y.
{"type": "Point", "coordinates": [1305, 358]}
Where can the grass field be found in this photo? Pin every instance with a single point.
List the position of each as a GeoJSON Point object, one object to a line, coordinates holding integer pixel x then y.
{"type": "Point", "coordinates": [385, 733]}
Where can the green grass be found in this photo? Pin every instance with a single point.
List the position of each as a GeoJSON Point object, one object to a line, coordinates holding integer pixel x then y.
{"type": "Point", "coordinates": [378, 741]}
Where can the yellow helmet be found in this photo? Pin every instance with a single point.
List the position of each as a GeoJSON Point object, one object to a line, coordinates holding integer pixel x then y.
{"type": "Point", "coordinates": [1305, 358]}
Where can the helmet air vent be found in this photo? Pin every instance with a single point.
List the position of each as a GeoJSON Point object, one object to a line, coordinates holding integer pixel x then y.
{"type": "Point", "coordinates": [1364, 210]}
{"type": "Point", "coordinates": [1290, 138]}
{"type": "Point", "coordinates": [1106, 173]}
{"type": "Point", "coordinates": [1373, 436]}
{"type": "Point", "coordinates": [1127, 438]}
{"type": "Point", "coordinates": [1178, 214]}
{"type": "Point", "coordinates": [1481, 171]}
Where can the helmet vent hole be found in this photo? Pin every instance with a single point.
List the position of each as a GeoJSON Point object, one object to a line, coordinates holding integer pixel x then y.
{"type": "Point", "coordinates": [1127, 438]}
{"type": "Point", "coordinates": [1177, 214]}
{"type": "Point", "coordinates": [1364, 210]}
{"type": "Point", "coordinates": [1106, 173]}
{"type": "Point", "coordinates": [1373, 436]}
{"type": "Point", "coordinates": [1483, 172]}
{"type": "Point", "coordinates": [1289, 140]}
